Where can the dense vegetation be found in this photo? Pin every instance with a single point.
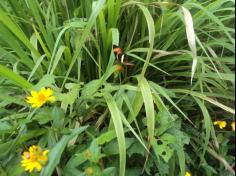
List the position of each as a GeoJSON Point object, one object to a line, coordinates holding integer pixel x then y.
{"type": "Point", "coordinates": [155, 117]}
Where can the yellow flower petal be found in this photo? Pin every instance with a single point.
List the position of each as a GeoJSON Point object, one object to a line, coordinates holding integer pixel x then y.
{"type": "Point", "coordinates": [45, 153]}
{"type": "Point", "coordinates": [233, 126]}
{"type": "Point", "coordinates": [42, 90]}
{"type": "Point", "coordinates": [38, 167]}
{"type": "Point", "coordinates": [221, 124]}
{"type": "Point", "coordinates": [52, 99]}
{"type": "Point", "coordinates": [48, 92]}
{"type": "Point", "coordinates": [188, 174]}
{"type": "Point", "coordinates": [34, 93]}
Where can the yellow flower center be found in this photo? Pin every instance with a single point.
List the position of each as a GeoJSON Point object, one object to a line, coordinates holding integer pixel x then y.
{"type": "Point", "coordinates": [41, 98]}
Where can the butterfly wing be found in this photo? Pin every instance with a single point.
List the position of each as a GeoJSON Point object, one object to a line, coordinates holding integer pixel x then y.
{"type": "Point", "coordinates": [121, 58]}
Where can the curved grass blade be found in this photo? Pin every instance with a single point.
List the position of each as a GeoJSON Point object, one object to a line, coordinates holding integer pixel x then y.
{"type": "Point", "coordinates": [204, 97]}
{"type": "Point", "coordinates": [17, 31]}
{"type": "Point", "coordinates": [15, 78]}
{"type": "Point", "coordinates": [117, 121]}
{"type": "Point", "coordinates": [133, 131]}
{"type": "Point", "coordinates": [149, 106]}
{"type": "Point", "coordinates": [160, 90]}
{"type": "Point", "coordinates": [191, 39]}
{"type": "Point", "coordinates": [57, 58]}
{"type": "Point", "coordinates": [37, 64]}
{"type": "Point", "coordinates": [207, 123]}
{"type": "Point", "coordinates": [151, 29]}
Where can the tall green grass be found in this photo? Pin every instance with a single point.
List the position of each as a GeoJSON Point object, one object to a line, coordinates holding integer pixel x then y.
{"type": "Point", "coordinates": [153, 119]}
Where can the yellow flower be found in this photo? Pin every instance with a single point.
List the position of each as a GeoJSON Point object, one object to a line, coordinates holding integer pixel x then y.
{"type": "Point", "coordinates": [233, 126]}
{"type": "Point", "coordinates": [35, 158]}
{"type": "Point", "coordinates": [188, 174]}
{"type": "Point", "coordinates": [38, 99]}
{"type": "Point", "coordinates": [89, 171]}
{"type": "Point", "coordinates": [221, 124]}
{"type": "Point", "coordinates": [87, 154]}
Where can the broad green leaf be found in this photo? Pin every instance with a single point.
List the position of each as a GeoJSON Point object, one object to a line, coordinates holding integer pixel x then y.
{"type": "Point", "coordinates": [109, 171]}
{"type": "Point", "coordinates": [58, 117]}
{"type": "Point", "coordinates": [95, 151]}
{"type": "Point", "coordinates": [5, 126]}
{"type": "Point", "coordinates": [43, 116]}
{"type": "Point", "coordinates": [163, 151]}
{"type": "Point", "coordinates": [46, 81]}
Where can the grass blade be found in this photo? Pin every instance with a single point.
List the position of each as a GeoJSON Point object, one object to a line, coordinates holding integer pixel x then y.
{"type": "Point", "coordinates": [207, 124]}
{"type": "Point", "coordinates": [17, 79]}
{"type": "Point", "coordinates": [117, 121]}
{"type": "Point", "coordinates": [191, 39]}
{"type": "Point", "coordinates": [151, 29]}
{"type": "Point", "coordinates": [149, 106]}
{"type": "Point", "coordinates": [86, 33]}
{"type": "Point", "coordinates": [16, 30]}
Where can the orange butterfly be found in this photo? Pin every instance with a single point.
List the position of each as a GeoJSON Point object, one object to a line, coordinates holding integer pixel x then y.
{"type": "Point", "coordinates": [121, 58]}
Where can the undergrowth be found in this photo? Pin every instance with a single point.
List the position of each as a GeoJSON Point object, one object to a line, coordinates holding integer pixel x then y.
{"type": "Point", "coordinates": [170, 112]}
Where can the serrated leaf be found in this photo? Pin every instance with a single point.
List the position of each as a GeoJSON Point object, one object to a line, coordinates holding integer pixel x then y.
{"type": "Point", "coordinates": [163, 150]}
{"type": "Point", "coordinates": [136, 148]}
